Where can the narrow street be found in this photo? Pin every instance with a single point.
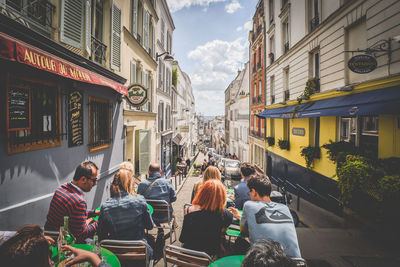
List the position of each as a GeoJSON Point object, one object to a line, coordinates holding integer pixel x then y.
{"type": "Point", "coordinates": [323, 239]}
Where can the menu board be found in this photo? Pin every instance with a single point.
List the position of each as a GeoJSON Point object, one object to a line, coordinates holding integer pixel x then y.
{"type": "Point", "coordinates": [75, 118]}
{"type": "Point", "coordinates": [18, 108]}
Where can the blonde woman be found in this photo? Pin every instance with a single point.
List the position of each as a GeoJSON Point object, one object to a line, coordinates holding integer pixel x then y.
{"type": "Point", "coordinates": [126, 215]}
{"type": "Point", "coordinates": [127, 165]}
{"type": "Point", "coordinates": [210, 173]}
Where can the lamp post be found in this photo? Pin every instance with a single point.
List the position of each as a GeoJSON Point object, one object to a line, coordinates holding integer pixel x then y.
{"type": "Point", "coordinates": [168, 57]}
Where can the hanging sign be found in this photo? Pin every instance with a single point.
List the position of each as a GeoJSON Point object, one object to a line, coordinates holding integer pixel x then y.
{"type": "Point", "coordinates": [362, 64]}
{"type": "Point", "coordinates": [18, 108]}
{"type": "Point", "coordinates": [75, 118]}
{"type": "Point", "coordinates": [137, 95]}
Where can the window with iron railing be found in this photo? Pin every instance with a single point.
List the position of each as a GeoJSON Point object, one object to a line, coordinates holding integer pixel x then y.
{"type": "Point", "coordinates": [272, 99]}
{"type": "Point", "coordinates": [39, 12]}
{"type": "Point", "coordinates": [286, 47]}
{"type": "Point", "coordinates": [284, 3]}
{"type": "Point", "coordinates": [259, 65]}
{"type": "Point", "coordinates": [254, 68]}
{"type": "Point", "coordinates": [254, 99]}
{"type": "Point", "coordinates": [33, 115]}
{"type": "Point", "coordinates": [314, 23]}
{"type": "Point", "coordinates": [286, 95]}
{"type": "Point", "coordinates": [259, 99]}
{"type": "Point", "coordinates": [98, 51]}
{"type": "Point", "coordinates": [99, 124]}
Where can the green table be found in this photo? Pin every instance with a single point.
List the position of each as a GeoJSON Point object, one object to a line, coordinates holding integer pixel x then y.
{"type": "Point", "coordinates": [234, 232]}
{"type": "Point", "coordinates": [148, 205]}
{"type": "Point", "coordinates": [230, 261]}
{"type": "Point", "coordinates": [110, 257]}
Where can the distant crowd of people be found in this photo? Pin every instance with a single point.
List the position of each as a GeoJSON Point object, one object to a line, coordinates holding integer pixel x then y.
{"type": "Point", "coordinates": [126, 216]}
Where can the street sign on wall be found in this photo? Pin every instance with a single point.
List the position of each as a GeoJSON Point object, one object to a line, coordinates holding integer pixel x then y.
{"type": "Point", "coordinates": [362, 64]}
{"type": "Point", "coordinates": [137, 95]}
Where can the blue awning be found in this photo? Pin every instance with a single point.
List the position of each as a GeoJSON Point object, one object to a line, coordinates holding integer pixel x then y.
{"type": "Point", "coordinates": [384, 101]}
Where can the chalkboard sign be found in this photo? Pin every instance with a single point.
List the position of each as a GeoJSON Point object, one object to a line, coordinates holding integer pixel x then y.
{"type": "Point", "coordinates": [18, 109]}
{"type": "Point", "coordinates": [75, 118]}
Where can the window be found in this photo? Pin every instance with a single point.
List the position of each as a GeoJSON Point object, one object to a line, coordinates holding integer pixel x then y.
{"type": "Point", "coordinates": [162, 32]}
{"type": "Point", "coordinates": [271, 11]}
{"type": "Point", "coordinates": [272, 89]}
{"type": "Point", "coordinates": [286, 93]}
{"type": "Point", "coordinates": [285, 35]}
{"type": "Point", "coordinates": [260, 90]}
{"type": "Point", "coordinates": [271, 53]}
{"type": "Point", "coordinates": [316, 131]}
{"type": "Point", "coordinates": [286, 129]}
{"type": "Point", "coordinates": [314, 14]}
{"type": "Point", "coordinates": [161, 117]}
{"type": "Point", "coordinates": [356, 38]}
{"type": "Point", "coordinates": [35, 122]}
{"type": "Point", "coordinates": [99, 124]}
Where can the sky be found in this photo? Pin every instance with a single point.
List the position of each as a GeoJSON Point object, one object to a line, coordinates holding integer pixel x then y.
{"type": "Point", "coordinates": [210, 43]}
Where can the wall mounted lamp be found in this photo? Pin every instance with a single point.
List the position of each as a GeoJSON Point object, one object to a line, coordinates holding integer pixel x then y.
{"type": "Point", "coordinates": [167, 57]}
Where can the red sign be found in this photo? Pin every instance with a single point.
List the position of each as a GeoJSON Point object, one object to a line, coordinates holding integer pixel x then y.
{"type": "Point", "coordinates": [37, 58]}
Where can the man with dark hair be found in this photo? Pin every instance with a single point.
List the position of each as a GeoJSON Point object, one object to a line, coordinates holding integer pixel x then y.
{"type": "Point", "coordinates": [267, 253]}
{"type": "Point", "coordinates": [68, 200]}
{"type": "Point", "coordinates": [264, 219]}
{"type": "Point", "coordinates": [241, 190]}
{"type": "Point", "coordinates": [159, 188]}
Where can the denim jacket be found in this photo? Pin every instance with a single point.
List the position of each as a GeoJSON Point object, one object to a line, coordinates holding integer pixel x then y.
{"type": "Point", "coordinates": [242, 194]}
{"type": "Point", "coordinates": [124, 218]}
{"type": "Point", "coordinates": [161, 190]}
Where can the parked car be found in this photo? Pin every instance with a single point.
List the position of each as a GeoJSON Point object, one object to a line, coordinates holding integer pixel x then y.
{"type": "Point", "coordinates": [230, 168]}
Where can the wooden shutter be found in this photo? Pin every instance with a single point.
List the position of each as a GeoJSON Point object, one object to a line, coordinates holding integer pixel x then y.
{"type": "Point", "coordinates": [71, 31]}
{"type": "Point", "coordinates": [134, 17]}
{"type": "Point", "coordinates": [88, 29]}
{"type": "Point", "coordinates": [144, 142]}
{"type": "Point", "coordinates": [153, 44]}
{"type": "Point", "coordinates": [133, 72]}
{"type": "Point", "coordinates": [115, 37]}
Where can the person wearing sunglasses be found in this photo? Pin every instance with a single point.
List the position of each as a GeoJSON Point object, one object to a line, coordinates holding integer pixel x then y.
{"type": "Point", "coordinates": [68, 200]}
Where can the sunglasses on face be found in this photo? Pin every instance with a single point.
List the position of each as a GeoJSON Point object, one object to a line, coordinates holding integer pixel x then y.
{"type": "Point", "coordinates": [94, 180]}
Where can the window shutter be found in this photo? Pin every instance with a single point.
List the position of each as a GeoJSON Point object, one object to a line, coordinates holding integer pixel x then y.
{"type": "Point", "coordinates": [88, 26]}
{"type": "Point", "coordinates": [115, 37]}
{"type": "Point", "coordinates": [134, 17]}
{"type": "Point", "coordinates": [153, 45]}
{"type": "Point", "coordinates": [167, 79]}
{"type": "Point", "coordinates": [133, 72]}
{"type": "Point", "coordinates": [159, 74]}
{"type": "Point", "coordinates": [72, 22]}
{"type": "Point", "coordinates": [143, 78]}
{"type": "Point", "coordinates": [144, 150]}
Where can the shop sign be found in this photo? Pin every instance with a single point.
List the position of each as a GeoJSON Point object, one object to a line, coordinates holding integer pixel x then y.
{"type": "Point", "coordinates": [137, 95]}
{"type": "Point", "coordinates": [75, 118]}
{"type": "Point", "coordinates": [362, 64]}
{"type": "Point", "coordinates": [18, 108]}
{"type": "Point", "coordinates": [299, 131]}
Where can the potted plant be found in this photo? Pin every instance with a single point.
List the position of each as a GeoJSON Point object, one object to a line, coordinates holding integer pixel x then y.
{"type": "Point", "coordinates": [309, 153]}
{"type": "Point", "coordinates": [270, 140]}
{"type": "Point", "coordinates": [312, 86]}
{"type": "Point", "coordinates": [283, 144]}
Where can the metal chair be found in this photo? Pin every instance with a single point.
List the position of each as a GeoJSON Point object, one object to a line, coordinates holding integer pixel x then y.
{"type": "Point", "coordinates": [162, 207]}
{"type": "Point", "coordinates": [185, 257]}
{"type": "Point", "coordinates": [128, 250]}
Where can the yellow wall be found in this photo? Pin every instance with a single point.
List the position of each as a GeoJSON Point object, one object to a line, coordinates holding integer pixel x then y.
{"type": "Point", "coordinates": [389, 137]}
{"type": "Point", "coordinates": [328, 129]}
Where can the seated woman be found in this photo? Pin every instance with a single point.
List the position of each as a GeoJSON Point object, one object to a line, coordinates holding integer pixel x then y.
{"type": "Point", "coordinates": [210, 173]}
{"type": "Point", "coordinates": [126, 215]}
{"type": "Point", "coordinates": [206, 219]}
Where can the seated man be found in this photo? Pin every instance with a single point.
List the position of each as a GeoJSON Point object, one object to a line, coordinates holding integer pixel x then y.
{"type": "Point", "coordinates": [158, 188]}
{"type": "Point", "coordinates": [267, 253]}
{"type": "Point", "coordinates": [264, 219]}
{"type": "Point", "coordinates": [241, 190]}
{"type": "Point", "coordinates": [68, 200]}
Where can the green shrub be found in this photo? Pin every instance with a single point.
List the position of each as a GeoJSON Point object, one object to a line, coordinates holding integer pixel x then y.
{"type": "Point", "coordinates": [389, 187]}
{"type": "Point", "coordinates": [283, 144]}
{"type": "Point", "coordinates": [270, 140]}
{"type": "Point", "coordinates": [309, 153]}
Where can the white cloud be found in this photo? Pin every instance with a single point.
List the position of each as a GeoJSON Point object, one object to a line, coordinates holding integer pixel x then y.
{"type": "Point", "coordinates": [232, 7]}
{"type": "Point", "coordinates": [176, 5]}
{"type": "Point", "coordinates": [247, 26]}
{"type": "Point", "coordinates": [217, 65]}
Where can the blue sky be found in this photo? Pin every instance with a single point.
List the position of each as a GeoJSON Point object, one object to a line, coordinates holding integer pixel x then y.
{"type": "Point", "coordinates": [211, 43]}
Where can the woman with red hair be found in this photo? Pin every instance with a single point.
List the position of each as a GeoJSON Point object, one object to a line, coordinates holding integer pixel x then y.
{"type": "Point", "coordinates": [206, 219]}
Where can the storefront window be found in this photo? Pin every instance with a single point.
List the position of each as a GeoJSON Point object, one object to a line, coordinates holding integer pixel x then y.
{"type": "Point", "coordinates": [99, 124]}
{"type": "Point", "coordinates": [33, 115]}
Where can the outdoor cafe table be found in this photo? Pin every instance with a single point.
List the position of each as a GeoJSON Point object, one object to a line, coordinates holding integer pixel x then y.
{"type": "Point", "coordinates": [148, 205]}
{"type": "Point", "coordinates": [109, 257]}
{"type": "Point", "coordinates": [234, 230]}
{"type": "Point", "coordinates": [230, 261]}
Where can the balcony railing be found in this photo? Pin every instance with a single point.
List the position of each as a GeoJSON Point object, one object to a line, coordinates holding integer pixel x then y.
{"type": "Point", "coordinates": [272, 99]}
{"type": "Point", "coordinates": [259, 99]}
{"type": "Point", "coordinates": [98, 50]}
{"type": "Point", "coordinates": [286, 47]}
{"type": "Point", "coordinates": [314, 23]}
{"type": "Point", "coordinates": [271, 57]}
{"type": "Point", "coordinates": [37, 12]}
{"type": "Point", "coordinates": [284, 2]}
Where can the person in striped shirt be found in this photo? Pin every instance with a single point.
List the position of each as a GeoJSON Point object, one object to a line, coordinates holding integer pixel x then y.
{"type": "Point", "coordinates": [68, 200]}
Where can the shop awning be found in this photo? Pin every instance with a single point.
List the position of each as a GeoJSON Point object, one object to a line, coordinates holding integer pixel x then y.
{"type": "Point", "coordinates": [15, 50]}
{"type": "Point", "coordinates": [383, 101]}
{"type": "Point", "coordinates": [177, 138]}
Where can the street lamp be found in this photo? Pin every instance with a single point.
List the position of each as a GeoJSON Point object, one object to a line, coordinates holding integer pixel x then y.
{"type": "Point", "coordinates": [168, 57]}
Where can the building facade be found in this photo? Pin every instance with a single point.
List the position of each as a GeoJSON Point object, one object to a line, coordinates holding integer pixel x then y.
{"type": "Point", "coordinates": [61, 103]}
{"type": "Point", "coordinates": [164, 87]}
{"type": "Point", "coordinates": [239, 112]}
{"type": "Point", "coordinates": [257, 85]}
{"type": "Point", "coordinates": [313, 97]}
